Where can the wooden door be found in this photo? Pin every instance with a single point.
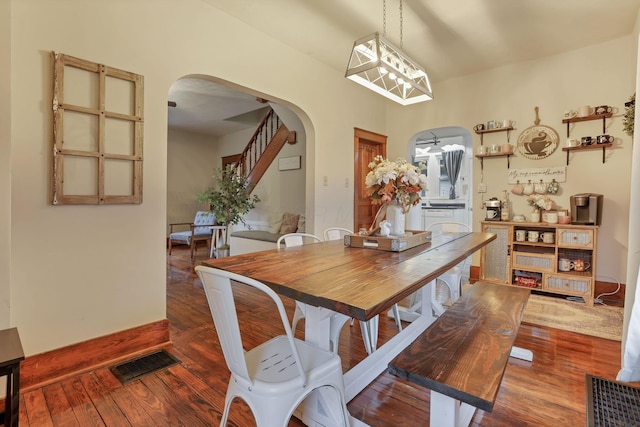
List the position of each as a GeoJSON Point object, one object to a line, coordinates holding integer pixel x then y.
{"type": "Point", "coordinates": [226, 160]}
{"type": "Point", "coordinates": [367, 145]}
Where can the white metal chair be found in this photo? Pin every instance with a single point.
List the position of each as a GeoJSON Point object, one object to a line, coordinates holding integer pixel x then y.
{"type": "Point", "coordinates": [369, 330]}
{"type": "Point", "coordinates": [448, 286]}
{"type": "Point", "coordinates": [336, 233]}
{"type": "Point", "coordinates": [297, 239]}
{"type": "Point", "coordinates": [274, 377]}
{"type": "Point", "coordinates": [337, 320]}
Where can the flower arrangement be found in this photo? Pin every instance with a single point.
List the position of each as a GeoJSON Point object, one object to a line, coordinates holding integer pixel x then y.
{"type": "Point", "coordinates": [541, 202]}
{"type": "Point", "coordinates": [400, 181]}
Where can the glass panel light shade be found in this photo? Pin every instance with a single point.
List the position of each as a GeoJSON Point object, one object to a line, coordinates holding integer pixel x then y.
{"type": "Point", "coordinates": [379, 65]}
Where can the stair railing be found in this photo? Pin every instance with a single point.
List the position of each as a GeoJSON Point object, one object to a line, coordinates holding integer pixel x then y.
{"type": "Point", "coordinates": [258, 142]}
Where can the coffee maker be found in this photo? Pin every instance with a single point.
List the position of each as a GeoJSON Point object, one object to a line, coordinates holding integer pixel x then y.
{"type": "Point", "coordinates": [586, 209]}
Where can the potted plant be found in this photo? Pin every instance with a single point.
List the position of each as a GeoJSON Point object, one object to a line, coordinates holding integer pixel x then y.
{"type": "Point", "coordinates": [228, 200]}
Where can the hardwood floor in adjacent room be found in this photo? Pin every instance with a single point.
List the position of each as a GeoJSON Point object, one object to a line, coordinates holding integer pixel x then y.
{"type": "Point", "coordinates": [550, 391]}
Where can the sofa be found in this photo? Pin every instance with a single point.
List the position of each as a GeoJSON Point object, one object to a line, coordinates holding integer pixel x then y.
{"type": "Point", "coordinates": [254, 236]}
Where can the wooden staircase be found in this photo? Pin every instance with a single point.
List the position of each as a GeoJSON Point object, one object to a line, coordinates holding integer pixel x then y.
{"type": "Point", "coordinates": [263, 148]}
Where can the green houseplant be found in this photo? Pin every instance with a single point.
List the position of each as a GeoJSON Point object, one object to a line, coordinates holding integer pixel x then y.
{"type": "Point", "coordinates": [229, 199]}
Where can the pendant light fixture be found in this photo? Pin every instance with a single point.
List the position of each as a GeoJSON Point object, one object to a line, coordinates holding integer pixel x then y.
{"type": "Point", "coordinates": [382, 67]}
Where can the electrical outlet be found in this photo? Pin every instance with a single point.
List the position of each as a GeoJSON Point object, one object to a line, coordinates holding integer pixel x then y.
{"type": "Point", "coordinates": [482, 188]}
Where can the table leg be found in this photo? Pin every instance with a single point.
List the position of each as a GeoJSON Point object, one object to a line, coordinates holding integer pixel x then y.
{"type": "Point", "coordinates": [12, 397]}
{"type": "Point", "coordinates": [317, 328]}
{"type": "Point", "coordinates": [369, 331]}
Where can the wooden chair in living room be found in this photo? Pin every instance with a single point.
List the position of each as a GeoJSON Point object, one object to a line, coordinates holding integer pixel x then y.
{"type": "Point", "coordinates": [199, 230]}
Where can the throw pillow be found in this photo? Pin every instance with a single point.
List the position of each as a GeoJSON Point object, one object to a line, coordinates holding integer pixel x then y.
{"type": "Point", "coordinates": [289, 223]}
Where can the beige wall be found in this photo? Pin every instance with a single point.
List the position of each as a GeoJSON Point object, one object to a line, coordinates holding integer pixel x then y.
{"type": "Point", "coordinates": [191, 159]}
{"type": "Point", "coordinates": [554, 84]}
{"type": "Point", "coordinates": [79, 272]}
{"type": "Point", "coordinates": [5, 163]}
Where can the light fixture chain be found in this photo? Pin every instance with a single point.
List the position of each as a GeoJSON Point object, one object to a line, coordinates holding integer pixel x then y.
{"type": "Point", "coordinates": [400, 24]}
{"type": "Point", "coordinates": [384, 18]}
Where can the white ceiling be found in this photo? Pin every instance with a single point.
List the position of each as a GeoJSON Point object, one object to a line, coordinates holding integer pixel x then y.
{"type": "Point", "coordinates": [449, 38]}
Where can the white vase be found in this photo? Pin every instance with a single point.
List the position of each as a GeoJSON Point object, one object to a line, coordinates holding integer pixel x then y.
{"type": "Point", "coordinates": [396, 217]}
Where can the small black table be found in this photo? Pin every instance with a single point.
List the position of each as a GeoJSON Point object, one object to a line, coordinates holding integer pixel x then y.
{"type": "Point", "coordinates": [11, 354]}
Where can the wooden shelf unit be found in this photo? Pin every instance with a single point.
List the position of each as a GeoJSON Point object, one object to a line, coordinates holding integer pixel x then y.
{"type": "Point", "coordinates": [602, 117]}
{"type": "Point", "coordinates": [483, 156]}
{"type": "Point", "coordinates": [504, 259]}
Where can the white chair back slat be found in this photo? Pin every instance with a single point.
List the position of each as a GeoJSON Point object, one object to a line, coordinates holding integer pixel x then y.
{"type": "Point", "coordinates": [336, 233]}
{"type": "Point", "coordinates": [296, 239]}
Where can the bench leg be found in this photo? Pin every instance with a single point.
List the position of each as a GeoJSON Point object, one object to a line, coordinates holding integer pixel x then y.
{"type": "Point", "coordinates": [448, 412]}
{"type": "Point", "coordinates": [521, 353]}
{"type": "Point", "coordinates": [422, 298]}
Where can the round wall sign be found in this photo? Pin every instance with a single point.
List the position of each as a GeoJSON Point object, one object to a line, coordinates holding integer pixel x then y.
{"type": "Point", "coordinates": [538, 142]}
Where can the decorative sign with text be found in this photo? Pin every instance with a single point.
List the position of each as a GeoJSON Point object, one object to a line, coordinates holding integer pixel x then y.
{"type": "Point", "coordinates": [559, 173]}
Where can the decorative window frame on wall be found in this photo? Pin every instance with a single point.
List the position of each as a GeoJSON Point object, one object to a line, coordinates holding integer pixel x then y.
{"type": "Point", "coordinates": [98, 133]}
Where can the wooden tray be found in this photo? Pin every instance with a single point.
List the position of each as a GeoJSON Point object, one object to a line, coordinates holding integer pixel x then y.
{"type": "Point", "coordinates": [393, 244]}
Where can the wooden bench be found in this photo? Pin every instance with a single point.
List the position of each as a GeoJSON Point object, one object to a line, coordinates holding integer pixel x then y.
{"type": "Point", "coordinates": [463, 355]}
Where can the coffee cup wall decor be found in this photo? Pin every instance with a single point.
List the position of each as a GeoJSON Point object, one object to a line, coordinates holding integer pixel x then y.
{"type": "Point", "coordinates": [538, 141]}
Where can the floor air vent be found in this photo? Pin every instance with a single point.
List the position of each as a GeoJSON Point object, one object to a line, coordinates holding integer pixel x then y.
{"type": "Point", "coordinates": [612, 404]}
{"type": "Point", "coordinates": [136, 368]}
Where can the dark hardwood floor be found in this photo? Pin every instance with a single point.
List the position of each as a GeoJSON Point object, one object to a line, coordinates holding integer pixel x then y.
{"type": "Point", "coordinates": [550, 391]}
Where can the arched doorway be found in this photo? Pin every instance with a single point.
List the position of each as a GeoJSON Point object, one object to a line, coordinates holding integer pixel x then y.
{"type": "Point", "coordinates": [213, 120]}
{"type": "Point", "coordinates": [427, 147]}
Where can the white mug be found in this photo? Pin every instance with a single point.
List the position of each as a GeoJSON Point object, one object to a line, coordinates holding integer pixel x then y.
{"type": "Point", "coordinates": [482, 150]}
{"type": "Point", "coordinates": [572, 142]}
{"type": "Point", "coordinates": [548, 237]}
{"type": "Point", "coordinates": [535, 216]}
{"type": "Point", "coordinates": [521, 235]}
{"type": "Point", "coordinates": [494, 149]}
{"type": "Point", "coordinates": [584, 111]}
{"type": "Point", "coordinates": [565, 264]}
{"type": "Point", "coordinates": [552, 218]}
{"type": "Point", "coordinates": [533, 236]}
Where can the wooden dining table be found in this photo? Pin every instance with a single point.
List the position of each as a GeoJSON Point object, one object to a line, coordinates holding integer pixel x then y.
{"type": "Point", "coordinates": [360, 283]}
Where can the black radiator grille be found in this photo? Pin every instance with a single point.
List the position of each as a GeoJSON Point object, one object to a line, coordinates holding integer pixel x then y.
{"type": "Point", "coordinates": [612, 404]}
{"type": "Point", "coordinates": [134, 369]}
